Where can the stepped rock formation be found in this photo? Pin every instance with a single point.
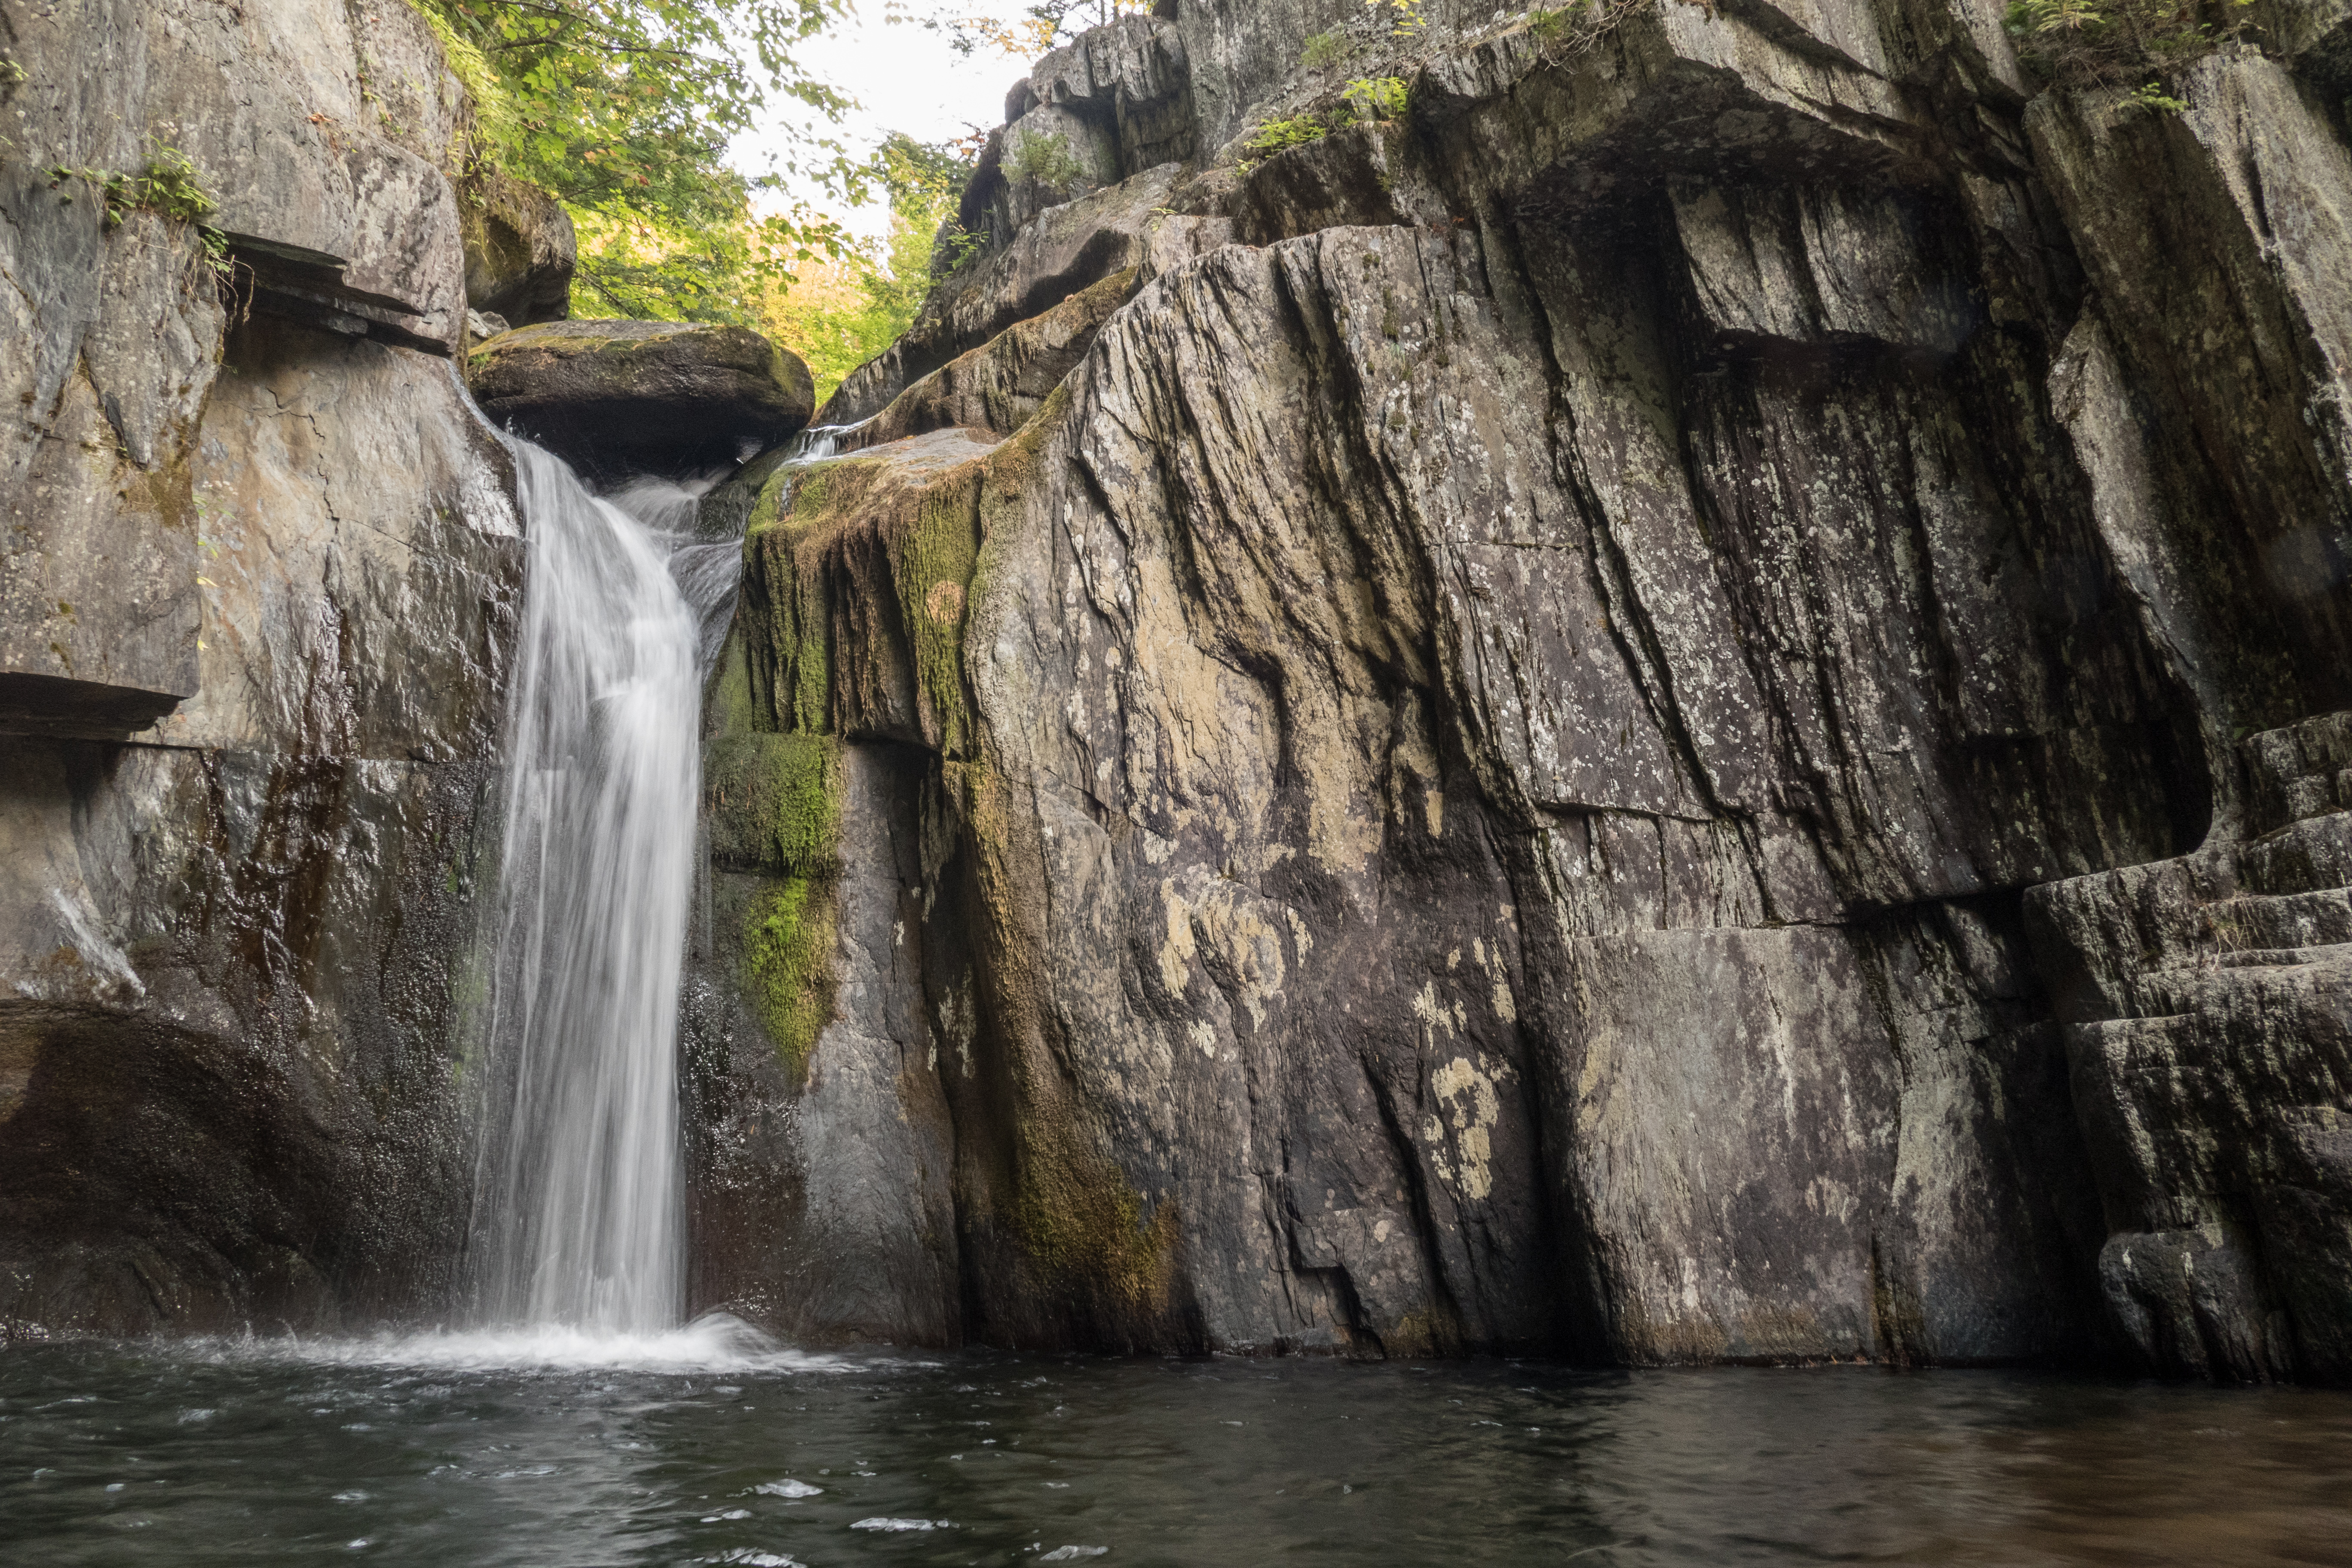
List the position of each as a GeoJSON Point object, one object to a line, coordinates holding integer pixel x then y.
{"type": "Point", "coordinates": [1686, 704]}
{"type": "Point", "coordinates": [260, 582]}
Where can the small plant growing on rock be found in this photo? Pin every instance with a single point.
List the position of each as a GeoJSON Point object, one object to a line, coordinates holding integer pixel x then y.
{"type": "Point", "coordinates": [1365, 101]}
{"type": "Point", "coordinates": [1324, 50]}
{"type": "Point", "coordinates": [1372, 99]}
{"type": "Point", "coordinates": [1047, 159]}
{"type": "Point", "coordinates": [1404, 17]}
{"type": "Point", "coordinates": [2118, 43]}
{"type": "Point", "coordinates": [170, 186]}
{"type": "Point", "coordinates": [1276, 134]}
{"type": "Point", "coordinates": [1563, 32]}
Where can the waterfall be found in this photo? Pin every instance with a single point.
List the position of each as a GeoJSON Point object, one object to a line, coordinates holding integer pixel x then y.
{"type": "Point", "coordinates": [579, 1215]}
{"type": "Point", "coordinates": [578, 1211]}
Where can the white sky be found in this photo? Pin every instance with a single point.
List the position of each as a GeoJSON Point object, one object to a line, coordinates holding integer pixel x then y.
{"type": "Point", "coordinates": [905, 78]}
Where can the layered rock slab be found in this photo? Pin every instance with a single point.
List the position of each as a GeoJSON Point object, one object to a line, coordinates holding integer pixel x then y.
{"type": "Point", "coordinates": [622, 397]}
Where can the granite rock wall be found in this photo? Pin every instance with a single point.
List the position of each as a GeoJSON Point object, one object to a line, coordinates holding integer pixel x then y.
{"type": "Point", "coordinates": [260, 579]}
{"type": "Point", "coordinates": [1615, 716]}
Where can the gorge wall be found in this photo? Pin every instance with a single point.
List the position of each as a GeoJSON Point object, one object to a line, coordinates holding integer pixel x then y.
{"type": "Point", "coordinates": [1683, 704]}
{"type": "Point", "coordinates": [259, 582]}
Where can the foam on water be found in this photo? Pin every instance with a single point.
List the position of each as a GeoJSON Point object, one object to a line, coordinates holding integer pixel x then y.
{"type": "Point", "coordinates": [716, 1342]}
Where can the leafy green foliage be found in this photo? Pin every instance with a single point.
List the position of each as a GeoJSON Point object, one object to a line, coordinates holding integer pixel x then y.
{"type": "Point", "coordinates": [1044, 26]}
{"type": "Point", "coordinates": [1364, 101]}
{"type": "Point", "coordinates": [2120, 44]}
{"type": "Point", "coordinates": [1278, 136]}
{"type": "Point", "coordinates": [624, 110]}
{"type": "Point", "coordinates": [1370, 99]}
{"type": "Point", "coordinates": [1047, 159]}
{"type": "Point", "coordinates": [170, 185]}
{"type": "Point", "coordinates": [1324, 50]}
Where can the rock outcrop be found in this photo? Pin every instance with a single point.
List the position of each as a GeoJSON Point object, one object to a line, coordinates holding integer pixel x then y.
{"type": "Point", "coordinates": [616, 398]}
{"type": "Point", "coordinates": [260, 584]}
{"type": "Point", "coordinates": [1682, 705]}
{"type": "Point", "coordinates": [520, 250]}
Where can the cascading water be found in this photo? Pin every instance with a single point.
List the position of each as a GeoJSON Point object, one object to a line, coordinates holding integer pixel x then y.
{"type": "Point", "coordinates": [579, 1211]}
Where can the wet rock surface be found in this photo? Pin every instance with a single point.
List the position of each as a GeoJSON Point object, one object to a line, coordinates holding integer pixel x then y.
{"type": "Point", "coordinates": [261, 583]}
{"type": "Point", "coordinates": [616, 398]}
{"type": "Point", "coordinates": [1627, 731]}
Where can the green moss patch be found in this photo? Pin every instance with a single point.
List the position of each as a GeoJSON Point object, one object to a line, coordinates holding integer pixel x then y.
{"type": "Point", "coordinates": [774, 803]}
{"type": "Point", "coordinates": [1084, 1227]}
{"type": "Point", "coordinates": [932, 566]}
{"type": "Point", "coordinates": [788, 933]}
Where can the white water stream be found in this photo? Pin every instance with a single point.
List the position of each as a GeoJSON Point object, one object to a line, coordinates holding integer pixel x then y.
{"type": "Point", "coordinates": [578, 1210]}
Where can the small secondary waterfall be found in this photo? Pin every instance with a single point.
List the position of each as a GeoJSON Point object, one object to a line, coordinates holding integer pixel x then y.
{"type": "Point", "coordinates": [579, 1208]}
{"type": "Point", "coordinates": [579, 1213]}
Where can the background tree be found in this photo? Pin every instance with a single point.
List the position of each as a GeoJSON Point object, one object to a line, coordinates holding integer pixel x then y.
{"type": "Point", "coordinates": [837, 313]}
{"type": "Point", "coordinates": [623, 110]}
{"type": "Point", "coordinates": [1044, 26]}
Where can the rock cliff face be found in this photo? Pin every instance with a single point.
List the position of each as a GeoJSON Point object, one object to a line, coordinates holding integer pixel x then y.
{"type": "Point", "coordinates": [260, 574]}
{"type": "Point", "coordinates": [1685, 704]}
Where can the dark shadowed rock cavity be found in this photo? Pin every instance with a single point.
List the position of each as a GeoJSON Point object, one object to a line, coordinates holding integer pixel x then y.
{"type": "Point", "coordinates": [520, 250]}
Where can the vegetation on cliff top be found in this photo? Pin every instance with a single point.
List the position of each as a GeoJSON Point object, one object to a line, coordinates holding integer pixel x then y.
{"type": "Point", "coordinates": [1044, 26]}
{"type": "Point", "coordinates": [839, 313]}
{"type": "Point", "coordinates": [622, 110]}
{"type": "Point", "coordinates": [2125, 44]}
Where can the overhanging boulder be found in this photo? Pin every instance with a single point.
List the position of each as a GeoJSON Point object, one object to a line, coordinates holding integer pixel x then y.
{"type": "Point", "coordinates": [642, 397]}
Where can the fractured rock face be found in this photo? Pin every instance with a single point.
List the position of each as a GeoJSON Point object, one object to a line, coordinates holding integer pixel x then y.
{"type": "Point", "coordinates": [1621, 731]}
{"type": "Point", "coordinates": [260, 588]}
{"type": "Point", "coordinates": [642, 397]}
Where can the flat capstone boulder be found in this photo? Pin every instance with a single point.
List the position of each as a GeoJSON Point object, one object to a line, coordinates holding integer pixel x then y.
{"type": "Point", "coordinates": [613, 398]}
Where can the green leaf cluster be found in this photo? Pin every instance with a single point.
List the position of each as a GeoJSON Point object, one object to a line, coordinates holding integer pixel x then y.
{"type": "Point", "coordinates": [1370, 99]}
{"type": "Point", "coordinates": [1365, 100]}
{"type": "Point", "coordinates": [2127, 45]}
{"type": "Point", "coordinates": [1047, 159]}
{"type": "Point", "coordinates": [170, 185]}
{"type": "Point", "coordinates": [622, 110]}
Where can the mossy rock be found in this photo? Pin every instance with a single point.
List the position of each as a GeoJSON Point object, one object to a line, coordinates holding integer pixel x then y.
{"type": "Point", "coordinates": [789, 933]}
{"type": "Point", "coordinates": [613, 398]}
{"type": "Point", "coordinates": [774, 803]}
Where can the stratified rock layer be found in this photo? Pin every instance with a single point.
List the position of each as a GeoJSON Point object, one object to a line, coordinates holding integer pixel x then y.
{"type": "Point", "coordinates": [614, 398]}
{"type": "Point", "coordinates": [259, 586]}
{"type": "Point", "coordinates": [1624, 732]}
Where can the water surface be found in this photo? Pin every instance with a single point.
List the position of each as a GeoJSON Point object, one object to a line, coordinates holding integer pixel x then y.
{"type": "Point", "coordinates": [678, 1450]}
